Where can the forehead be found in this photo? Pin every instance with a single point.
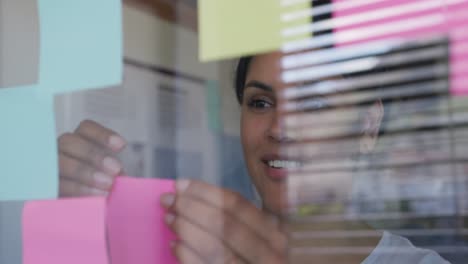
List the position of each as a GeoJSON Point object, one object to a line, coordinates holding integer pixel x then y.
{"type": "Point", "coordinates": [266, 68]}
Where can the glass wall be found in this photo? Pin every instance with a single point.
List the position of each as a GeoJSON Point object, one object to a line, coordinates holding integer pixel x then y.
{"type": "Point", "coordinates": [287, 131]}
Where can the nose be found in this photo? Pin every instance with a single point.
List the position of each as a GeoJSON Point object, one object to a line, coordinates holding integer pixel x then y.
{"type": "Point", "coordinates": [277, 131]}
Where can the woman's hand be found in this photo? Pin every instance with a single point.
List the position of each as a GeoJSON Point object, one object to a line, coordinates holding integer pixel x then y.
{"type": "Point", "coordinates": [220, 226]}
{"type": "Point", "coordinates": [87, 160]}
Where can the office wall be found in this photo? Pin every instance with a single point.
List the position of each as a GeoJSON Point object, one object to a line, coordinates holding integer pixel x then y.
{"type": "Point", "coordinates": [154, 41]}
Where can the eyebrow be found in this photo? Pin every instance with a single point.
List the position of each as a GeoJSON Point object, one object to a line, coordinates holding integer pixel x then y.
{"type": "Point", "coordinates": [259, 85]}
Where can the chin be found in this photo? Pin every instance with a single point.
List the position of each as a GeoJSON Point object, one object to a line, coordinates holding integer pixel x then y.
{"type": "Point", "coordinates": [272, 191]}
{"type": "Point", "coordinates": [275, 202]}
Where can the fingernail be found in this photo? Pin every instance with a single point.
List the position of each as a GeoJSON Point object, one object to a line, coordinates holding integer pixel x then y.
{"type": "Point", "coordinates": [169, 218]}
{"type": "Point", "coordinates": [168, 200]}
{"type": "Point", "coordinates": [103, 179]}
{"type": "Point", "coordinates": [112, 165]}
{"type": "Point", "coordinates": [182, 185]}
{"type": "Point", "coordinates": [116, 142]}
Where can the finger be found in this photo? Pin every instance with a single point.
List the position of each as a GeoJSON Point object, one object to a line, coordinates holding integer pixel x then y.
{"type": "Point", "coordinates": [208, 247]}
{"type": "Point", "coordinates": [82, 149]}
{"type": "Point", "coordinates": [69, 188]}
{"type": "Point", "coordinates": [100, 135]}
{"type": "Point", "coordinates": [239, 237]}
{"type": "Point", "coordinates": [185, 254]}
{"type": "Point", "coordinates": [238, 207]}
{"type": "Point", "coordinates": [81, 172]}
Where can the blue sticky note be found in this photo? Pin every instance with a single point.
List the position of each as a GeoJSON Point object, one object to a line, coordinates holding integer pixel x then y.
{"type": "Point", "coordinates": [28, 153]}
{"type": "Point", "coordinates": [81, 48]}
{"type": "Point", "coordinates": [213, 105]}
{"type": "Point", "coordinates": [81, 44]}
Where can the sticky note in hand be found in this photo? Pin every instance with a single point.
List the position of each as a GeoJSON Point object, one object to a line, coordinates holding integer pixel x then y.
{"type": "Point", "coordinates": [136, 229]}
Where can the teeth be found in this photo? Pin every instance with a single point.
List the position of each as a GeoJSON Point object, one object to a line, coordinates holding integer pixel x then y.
{"type": "Point", "coordinates": [284, 164]}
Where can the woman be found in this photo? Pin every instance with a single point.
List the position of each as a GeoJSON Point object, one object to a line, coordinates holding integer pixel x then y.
{"type": "Point", "coordinates": [217, 225]}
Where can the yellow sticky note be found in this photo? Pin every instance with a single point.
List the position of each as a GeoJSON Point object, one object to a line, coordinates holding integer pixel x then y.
{"type": "Point", "coordinates": [234, 28]}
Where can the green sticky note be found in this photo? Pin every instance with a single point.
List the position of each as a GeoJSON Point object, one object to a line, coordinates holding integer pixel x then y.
{"type": "Point", "coordinates": [28, 151]}
{"type": "Point", "coordinates": [242, 27]}
{"type": "Point", "coordinates": [213, 105]}
{"type": "Point", "coordinates": [81, 44]}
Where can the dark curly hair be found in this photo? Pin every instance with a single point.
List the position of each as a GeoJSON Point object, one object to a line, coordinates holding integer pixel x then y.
{"type": "Point", "coordinates": [241, 76]}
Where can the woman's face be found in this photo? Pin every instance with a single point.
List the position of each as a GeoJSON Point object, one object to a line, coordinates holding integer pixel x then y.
{"type": "Point", "coordinates": [263, 136]}
{"type": "Point", "coordinates": [261, 132]}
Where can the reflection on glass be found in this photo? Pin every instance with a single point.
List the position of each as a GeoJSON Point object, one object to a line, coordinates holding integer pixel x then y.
{"type": "Point", "coordinates": [387, 150]}
{"type": "Point", "coordinates": [351, 147]}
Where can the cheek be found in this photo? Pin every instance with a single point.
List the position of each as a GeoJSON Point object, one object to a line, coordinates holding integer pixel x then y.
{"type": "Point", "coordinates": [246, 133]}
{"type": "Point", "coordinates": [252, 131]}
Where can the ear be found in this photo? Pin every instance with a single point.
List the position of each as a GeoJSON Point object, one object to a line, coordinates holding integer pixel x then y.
{"type": "Point", "coordinates": [371, 126]}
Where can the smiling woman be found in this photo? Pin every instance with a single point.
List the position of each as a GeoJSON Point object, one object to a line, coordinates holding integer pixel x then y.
{"type": "Point", "coordinates": [352, 144]}
{"type": "Point", "coordinates": [260, 91]}
{"type": "Point", "coordinates": [216, 225]}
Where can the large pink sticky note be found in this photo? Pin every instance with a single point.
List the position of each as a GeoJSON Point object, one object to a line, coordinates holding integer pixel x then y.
{"type": "Point", "coordinates": [136, 229]}
{"type": "Point", "coordinates": [69, 231]}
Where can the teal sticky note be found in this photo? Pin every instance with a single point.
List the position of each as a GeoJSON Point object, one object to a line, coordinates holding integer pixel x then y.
{"type": "Point", "coordinates": [28, 153]}
{"type": "Point", "coordinates": [81, 44]}
{"type": "Point", "coordinates": [81, 48]}
{"type": "Point", "coordinates": [213, 105]}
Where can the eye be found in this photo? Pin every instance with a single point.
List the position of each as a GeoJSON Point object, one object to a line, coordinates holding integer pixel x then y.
{"type": "Point", "coordinates": [259, 104]}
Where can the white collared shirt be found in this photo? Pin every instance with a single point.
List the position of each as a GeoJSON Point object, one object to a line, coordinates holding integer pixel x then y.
{"type": "Point", "coordinates": [393, 249]}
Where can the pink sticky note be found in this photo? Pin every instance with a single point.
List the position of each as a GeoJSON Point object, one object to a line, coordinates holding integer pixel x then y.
{"type": "Point", "coordinates": [136, 229]}
{"type": "Point", "coordinates": [415, 19]}
{"type": "Point", "coordinates": [449, 18]}
{"type": "Point", "coordinates": [71, 231]}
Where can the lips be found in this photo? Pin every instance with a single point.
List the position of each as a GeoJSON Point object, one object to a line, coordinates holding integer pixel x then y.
{"type": "Point", "coordinates": [277, 166]}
